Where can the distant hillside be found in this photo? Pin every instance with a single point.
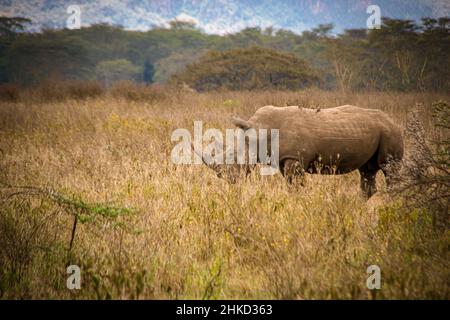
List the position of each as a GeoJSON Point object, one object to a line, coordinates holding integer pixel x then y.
{"type": "Point", "coordinates": [222, 16]}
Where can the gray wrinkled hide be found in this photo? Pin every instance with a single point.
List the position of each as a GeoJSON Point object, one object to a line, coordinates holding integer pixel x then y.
{"type": "Point", "coordinates": [333, 141]}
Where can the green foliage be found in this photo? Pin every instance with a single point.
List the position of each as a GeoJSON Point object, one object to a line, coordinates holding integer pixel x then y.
{"type": "Point", "coordinates": [9, 27]}
{"type": "Point", "coordinates": [35, 58]}
{"type": "Point", "coordinates": [410, 56]}
{"type": "Point", "coordinates": [111, 71]}
{"type": "Point", "coordinates": [175, 63]}
{"type": "Point", "coordinates": [323, 30]}
{"type": "Point", "coordinates": [89, 212]}
{"type": "Point", "coordinates": [402, 55]}
{"type": "Point", "coordinates": [248, 69]}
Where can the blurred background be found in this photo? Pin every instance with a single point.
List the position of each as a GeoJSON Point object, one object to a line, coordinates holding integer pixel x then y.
{"type": "Point", "coordinates": [235, 45]}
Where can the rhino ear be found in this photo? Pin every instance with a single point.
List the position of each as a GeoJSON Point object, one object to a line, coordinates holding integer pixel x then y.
{"type": "Point", "coordinates": [240, 123]}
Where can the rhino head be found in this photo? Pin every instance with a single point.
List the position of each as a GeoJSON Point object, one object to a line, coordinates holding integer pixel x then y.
{"type": "Point", "coordinates": [231, 172]}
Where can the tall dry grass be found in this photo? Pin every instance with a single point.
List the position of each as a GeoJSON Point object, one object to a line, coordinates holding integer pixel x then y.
{"type": "Point", "coordinates": [150, 229]}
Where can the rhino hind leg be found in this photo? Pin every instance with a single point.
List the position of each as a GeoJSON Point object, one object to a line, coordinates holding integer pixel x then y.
{"type": "Point", "coordinates": [368, 182]}
{"type": "Point", "coordinates": [368, 174]}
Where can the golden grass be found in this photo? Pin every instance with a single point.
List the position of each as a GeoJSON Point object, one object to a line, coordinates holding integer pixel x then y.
{"type": "Point", "coordinates": [192, 235]}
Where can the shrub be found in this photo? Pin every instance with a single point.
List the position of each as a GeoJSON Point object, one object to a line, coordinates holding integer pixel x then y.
{"type": "Point", "coordinates": [59, 91]}
{"type": "Point", "coordinates": [426, 170]}
{"type": "Point", "coordinates": [30, 250]}
{"type": "Point", "coordinates": [136, 92]}
{"type": "Point", "coordinates": [9, 92]}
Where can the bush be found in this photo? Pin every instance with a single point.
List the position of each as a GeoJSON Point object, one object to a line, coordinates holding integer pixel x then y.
{"type": "Point", "coordinates": [111, 71]}
{"type": "Point", "coordinates": [426, 170]}
{"type": "Point", "coordinates": [135, 92]}
{"type": "Point", "coordinates": [59, 91]}
{"type": "Point", "coordinates": [9, 92]}
{"type": "Point", "coordinates": [32, 254]}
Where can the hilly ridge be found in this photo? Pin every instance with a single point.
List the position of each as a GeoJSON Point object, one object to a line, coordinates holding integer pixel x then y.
{"type": "Point", "coordinates": [221, 16]}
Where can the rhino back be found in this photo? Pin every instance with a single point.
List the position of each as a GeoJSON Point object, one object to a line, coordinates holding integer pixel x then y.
{"type": "Point", "coordinates": [352, 132]}
{"type": "Point", "coordinates": [344, 122]}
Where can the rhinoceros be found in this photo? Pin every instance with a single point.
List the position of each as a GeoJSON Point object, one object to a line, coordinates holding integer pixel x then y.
{"type": "Point", "coordinates": [332, 141]}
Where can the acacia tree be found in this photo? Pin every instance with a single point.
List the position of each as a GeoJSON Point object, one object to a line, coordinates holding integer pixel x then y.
{"type": "Point", "coordinates": [111, 71]}
{"type": "Point", "coordinates": [248, 69]}
{"type": "Point", "coordinates": [341, 56]}
{"type": "Point", "coordinates": [9, 27]}
{"type": "Point", "coordinates": [396, 41]}
{"type": "Point", "coordinates": [37, 57]}
{"type": "Point", "coordinates": [434, 43]}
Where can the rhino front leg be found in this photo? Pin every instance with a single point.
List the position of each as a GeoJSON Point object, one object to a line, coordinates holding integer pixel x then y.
{"type": "Point", "coordinates": [368, 182]}
{"type": "Point", "coordinates": [292, 170]}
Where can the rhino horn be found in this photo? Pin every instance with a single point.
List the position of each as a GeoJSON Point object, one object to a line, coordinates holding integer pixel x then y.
{"type": "Point", "coordinates": [211, 166]}
{"type": "Point", "coordinates": [240, 123]}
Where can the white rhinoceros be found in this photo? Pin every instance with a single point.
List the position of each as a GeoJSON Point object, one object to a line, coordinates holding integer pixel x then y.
{"type": "Point", "coordinates": [335, 140]}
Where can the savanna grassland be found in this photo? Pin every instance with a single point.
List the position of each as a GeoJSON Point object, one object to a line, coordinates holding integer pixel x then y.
{"type": "Point", "coordinates": [146, 228]}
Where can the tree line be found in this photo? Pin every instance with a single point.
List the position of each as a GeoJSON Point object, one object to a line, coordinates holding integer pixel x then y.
{"type": "Point", "coordinates": [401, 55]}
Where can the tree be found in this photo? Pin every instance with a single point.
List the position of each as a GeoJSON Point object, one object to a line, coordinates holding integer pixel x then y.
{"type": "Point", "coordinates": [251, 36]}
{"type": "Point", "coordinates": [182, 25]}
{"type": "Point", "coordinates": [341, 60]}
{"type": "Point", "coordinates": [10, 26]}
{"type": "Point", "coordinates": [34, 58]}
{"type": "Point", "coordinates": [434, 43]}
{"type": "Point", "coordinates": [175, 63]}
{"type": "Point", "coordinates": [248, 69]}
{"type": "Point", "coordinates": [346, 54]}
{"type": "Point", "coordinates": [396, 42]}
{"type": "Point", "coordinates": [402, 55]}
{"type": "Point", "coordinates": [323, 30]}
{"type": "Point", "coordinates": [149, 72]}
{"type": "Point", "coordinates": [111, 71]}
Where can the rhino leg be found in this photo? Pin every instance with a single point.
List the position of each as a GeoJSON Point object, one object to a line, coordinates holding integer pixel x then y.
{"type": "Point", "coordinates": [368, 182]}
{"type": "Point", "coordinates": [292, 169]}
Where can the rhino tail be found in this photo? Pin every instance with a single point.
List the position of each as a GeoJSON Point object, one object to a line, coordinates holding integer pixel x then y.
{"type": "Point", "coordinates": [240, 123]}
